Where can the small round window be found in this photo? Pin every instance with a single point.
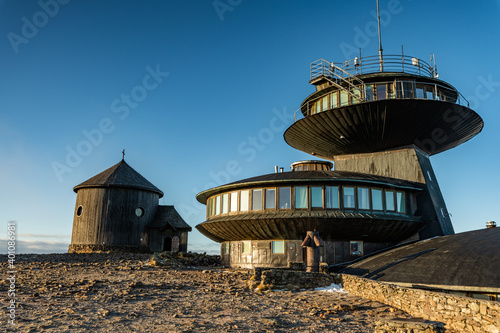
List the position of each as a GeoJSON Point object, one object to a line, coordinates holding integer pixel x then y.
{"type": "Point", "coordinates": [79, 211]}
{"type": "Point", "coordinates": [139, 211]}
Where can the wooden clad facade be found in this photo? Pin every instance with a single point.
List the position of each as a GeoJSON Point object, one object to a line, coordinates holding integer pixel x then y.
{"type": "Point", "coordinates": [118, 210]}
{"type": "Point", "coordinates": [261, 253]}
{"type": "Point", "coordinates": [410, 164]}
{"type": "Point", "coordinates": [108, 216]}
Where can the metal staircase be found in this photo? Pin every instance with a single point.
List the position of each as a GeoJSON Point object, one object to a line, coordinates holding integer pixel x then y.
{"type": "Point", "coordinates": [336, 76]}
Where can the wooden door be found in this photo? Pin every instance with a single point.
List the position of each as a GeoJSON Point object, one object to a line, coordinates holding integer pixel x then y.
{"type": "Point", "coordinates": [175, 244]}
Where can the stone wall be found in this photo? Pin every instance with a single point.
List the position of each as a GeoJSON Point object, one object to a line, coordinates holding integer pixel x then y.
{"type": "Point", "coordinates": [403, 325]}
{"type": "Point", "coordinates": [90, 248]}
{"type": "Point", "coordinates": [285, 278]}
{"type": "Point", "coordinates": [461, 314]}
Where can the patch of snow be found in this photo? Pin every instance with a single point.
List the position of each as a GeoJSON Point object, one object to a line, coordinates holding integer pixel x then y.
{"type": "Point", "coordinates": [333, 288]}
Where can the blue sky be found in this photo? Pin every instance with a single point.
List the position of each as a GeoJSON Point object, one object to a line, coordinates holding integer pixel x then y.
{"type": "Point", "coordinates": [199, 93]}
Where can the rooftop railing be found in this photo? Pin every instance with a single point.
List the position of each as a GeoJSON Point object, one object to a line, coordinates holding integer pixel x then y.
{"type": "Point", "coordinates": [372, 64]}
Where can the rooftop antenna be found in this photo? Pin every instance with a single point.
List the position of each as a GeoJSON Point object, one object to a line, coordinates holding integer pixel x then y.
{"type": "Point", "coordinates": [379, 42]}
{"type": "Point", "coordinates": [123, 155]}
{"type": "Point", "coordinates": [434, 67]}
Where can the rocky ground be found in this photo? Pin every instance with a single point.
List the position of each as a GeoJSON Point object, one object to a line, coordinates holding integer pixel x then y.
{"type": "Point", "coordinates": [138, 293]}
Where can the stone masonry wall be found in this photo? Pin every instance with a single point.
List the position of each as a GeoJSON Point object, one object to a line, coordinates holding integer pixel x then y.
{"type": "Point", "coordinates": [265, 278]}
{"type": "Point", "coordinates": [89, 248]}
{"type": "Point", "coordinates": [461, 314]}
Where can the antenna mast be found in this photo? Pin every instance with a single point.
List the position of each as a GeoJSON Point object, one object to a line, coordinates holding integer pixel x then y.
{"type": "Point", "coordinates": [379, 42]}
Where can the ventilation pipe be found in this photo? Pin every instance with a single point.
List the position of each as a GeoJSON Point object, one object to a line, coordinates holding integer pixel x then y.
{"type": "Point", "coordinates": [491, 224]}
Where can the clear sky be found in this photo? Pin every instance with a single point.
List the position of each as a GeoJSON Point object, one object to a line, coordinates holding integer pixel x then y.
{"type": "Point", "coordinates": [188, 87]}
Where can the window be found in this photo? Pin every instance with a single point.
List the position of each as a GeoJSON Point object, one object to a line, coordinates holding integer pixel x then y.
{"type": "Point", "coordinates": [399, 89]}
{"type": "Point", "coordinates": [332, 197]}
{"type": "Point", "coordinates": [315, 107]}
{"type": "Point", "coordinates": [234, 202]}
{"type": "Point", "coordinates": [369, 92]}
{"type": "Point", "coordinates": [212, 206]}
{"type": "Point", "coordinates": [79, 211]}
{"type": "Point", "coordinates": [284, 197]}
{"type": "Point", "coordinates": [300, 197]}
{"type": "Point", "coordinates": [381, 91]}
{"type": "Point", "coordinates": [356, 92]}
{"type": "Point", "coordinates": [244, 197]}
{"type": "Point", "coordinates": [270, 198]}
{"type": "Point", "coordinates": [484, 296]}
{"type": "Point", "coordinates": [377, 199]}
{"type": "Point", "coordinates": [363, 198]}
{"type": "Point", "coordinates": [349, 197]}
{"type": "Point", "coordinates": [356, 248]}
{"type": "Point", "coordinates": [225, 203]}
{"type": "Point", "coordinates": [419, 91]}
{"type": "Point", "coordinates": [429, 92]}
{"type": "Point", "coordinates": [245, 247]}
{"type": "Point", "coordinates": [442, 96]}
{"type": "Point", "coordinates": [278, 247]}
{"type": "Point", "coordinates": [226, 248]}
{"type": "Point", "coordinates": [343, 98]}
{"type": "Point", "coordinates": [316, 197]}
{"type": "Point", "coordinates": [389, 200]}
{"type": "Point", "coordinates": [257, 199]}
{"type": "Point", "coordinates": [139, 211]}
{"type": "Point", "coordinates": [324, 103]}
{"type": "Point", "coordinates": [400, 202]}
{"type": "Point", "coordinates": [209, 207]}
{"type": "Point", "coordinates": [334, 99]}
{"type": "Point", "coordinates": [217, 205]}
{"type": "Point", "coordinates": [407, 89]}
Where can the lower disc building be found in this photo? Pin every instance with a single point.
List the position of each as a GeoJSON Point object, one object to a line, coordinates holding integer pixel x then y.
{"type": "Point", "coordinates": [262, 221]}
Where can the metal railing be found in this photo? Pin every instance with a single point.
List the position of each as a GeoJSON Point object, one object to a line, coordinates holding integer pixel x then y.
{"type": "Point", "coordinates": [336, 76]}
{"type": "Point", "coordinates": [372, 64]}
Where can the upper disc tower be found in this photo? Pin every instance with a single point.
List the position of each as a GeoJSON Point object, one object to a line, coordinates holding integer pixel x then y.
{"type": "Point", "coordinates": [379, 103]}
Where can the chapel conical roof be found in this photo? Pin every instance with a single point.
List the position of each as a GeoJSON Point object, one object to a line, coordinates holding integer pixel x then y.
{"type": "Point", "coordinates": [120, 175]}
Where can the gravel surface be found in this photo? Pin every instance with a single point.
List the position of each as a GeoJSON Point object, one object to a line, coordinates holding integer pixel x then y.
{"type": "Point", "coordinates": [128, 293]}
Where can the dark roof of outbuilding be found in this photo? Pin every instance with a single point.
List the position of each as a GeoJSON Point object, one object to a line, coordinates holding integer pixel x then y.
{"type": "Point", "coordinates": [308, 177]}
{"type": "Point", "coordinates": [457, 262]}
{"type": "Point", "coordinates": [168, 215]}
{"type": "Point", "coordinates": [120, 175]}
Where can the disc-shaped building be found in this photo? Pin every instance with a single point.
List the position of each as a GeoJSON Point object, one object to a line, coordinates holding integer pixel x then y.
{"type": "Point", "coordinates": [378, 119]}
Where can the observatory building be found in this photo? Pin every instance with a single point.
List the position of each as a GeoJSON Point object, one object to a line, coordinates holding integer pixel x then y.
{"type": "Point", "coordinates": [118, 210]}
{"type": "Point", "coordinates": [378, 119]}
